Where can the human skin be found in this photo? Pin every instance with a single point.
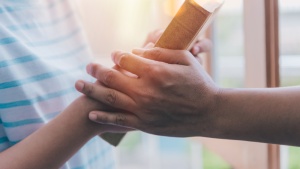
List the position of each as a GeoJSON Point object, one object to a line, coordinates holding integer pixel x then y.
{"type": "Point", "coordinates": [172, 95]}
{"type": "Point", "coordinates": [201, 45]}
{"type": "Point", "coordinates": [52, 145]}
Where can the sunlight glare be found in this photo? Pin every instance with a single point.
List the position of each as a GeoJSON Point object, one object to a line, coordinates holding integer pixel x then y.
{"type": "Point", "coordinates": [210, 5]}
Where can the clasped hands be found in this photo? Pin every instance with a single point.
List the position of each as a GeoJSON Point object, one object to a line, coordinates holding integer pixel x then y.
{"type": "Point", "coordinates": [155, 90]}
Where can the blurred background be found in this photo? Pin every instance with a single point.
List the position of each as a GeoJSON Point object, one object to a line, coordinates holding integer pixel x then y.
{"type": "Point", "coordinates": [115, 24]}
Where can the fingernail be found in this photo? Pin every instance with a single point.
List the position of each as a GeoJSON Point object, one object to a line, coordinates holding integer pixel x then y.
{"type": "Point", "coordinates": [93, 116]}
{"type": "Point", "coordinates": [79, 85]}
{"type": "Point", "coordinates": [138, 51]}
{"type": "Point", "coordinates": [89, 68]}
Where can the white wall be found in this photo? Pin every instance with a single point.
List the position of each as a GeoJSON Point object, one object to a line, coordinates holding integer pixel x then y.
{"type": "Point", "coordinates": [121, 24]}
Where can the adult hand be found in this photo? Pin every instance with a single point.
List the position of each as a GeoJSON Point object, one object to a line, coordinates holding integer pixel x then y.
{"type": "Point", "coordinates": [170, 95]}
{"type": "Point", "coordinates": [85, 104]}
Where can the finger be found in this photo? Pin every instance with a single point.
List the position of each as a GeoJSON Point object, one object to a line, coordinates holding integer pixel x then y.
{"type": "Point", "coordinates": [201, 46]}
{"type": "Point", "coordinates": [105, 95]}
{"type": "Point", "coordinates": [132, 63]}
{"type": "Point", "coordinates": [118, 119]}
{"type": "Point", "coordinates": [111, 77]}
{"type": "Point", "coordinates": [182, 57]}
{"type": "Point", "coordinates": [116, 67]}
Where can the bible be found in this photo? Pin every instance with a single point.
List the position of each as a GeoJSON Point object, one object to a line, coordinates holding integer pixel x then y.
{"type": "Point", "coordinates": [193, 17]}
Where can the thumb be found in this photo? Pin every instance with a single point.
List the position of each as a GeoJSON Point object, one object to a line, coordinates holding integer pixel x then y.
{"type": "Point", "coordinates": [181, 57]}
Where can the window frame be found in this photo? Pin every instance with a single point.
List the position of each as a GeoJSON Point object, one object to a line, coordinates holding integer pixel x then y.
{"type": "Point", "coordinates": [261, 31]}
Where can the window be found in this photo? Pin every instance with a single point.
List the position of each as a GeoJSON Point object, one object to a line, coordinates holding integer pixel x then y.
{"type": "Point", "coordinates": [229, 45]}
{"type": "Point", "coordinates": [290, 64]}
{"type": "Point", "coordinates": [290, 44]}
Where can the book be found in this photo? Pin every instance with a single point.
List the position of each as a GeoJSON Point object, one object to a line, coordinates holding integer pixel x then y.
{"type": "Point", "coordinates": [113, 138]}
{"type": "Point", "coordinates": [192, 18]}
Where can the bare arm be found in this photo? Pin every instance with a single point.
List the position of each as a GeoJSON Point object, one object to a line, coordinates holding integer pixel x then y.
{"type": "Point", "coordinates": [262, 115]}
{"type": "Point", "coordinates": [52, 145]}
{"type": "Point", "coordinates": [174, 96]}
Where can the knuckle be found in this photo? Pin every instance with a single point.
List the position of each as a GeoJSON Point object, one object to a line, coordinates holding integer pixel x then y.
{"type": "Point", "coordinates": [154, 54]}
{"type": "Point", "coordinates": [120, 119]}
{"type": "Point", "coordinates": [154, 71]}
{"type": "Point", "coordinates": [147, 100]}
{"type": "Point", "coordinates": [146, 54]}
{"type": "Point", "coordinates": [108, 77]}
{"type": "Point", "coordinates": [111, 97]}
{"type": "Point", "coordinates": [157, 53]}
{"type": "Point", "coordinates": [123, 59]}
{"type": "Point", "coordinates": [89, 89]}
{"type": "Point", "coordinates": [95, 70]}
{"type": "Point", "coordinates": [103, 119]}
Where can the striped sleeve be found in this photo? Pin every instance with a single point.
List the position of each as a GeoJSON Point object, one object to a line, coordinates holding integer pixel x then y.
{"type": "Point", "coordinates": [43, 52]}
{"type": "Point", "coordinates": [4, 143]}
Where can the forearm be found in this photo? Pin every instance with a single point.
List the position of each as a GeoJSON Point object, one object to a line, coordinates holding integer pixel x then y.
{"type": "Point", "coordinates": [183, 100]}
{"type": "Point", "coordinates": [51, 146]}
{"type": "Point", "coordinates": [262, 115]}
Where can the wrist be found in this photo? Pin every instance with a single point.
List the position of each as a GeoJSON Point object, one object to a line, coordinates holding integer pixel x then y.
{"type": "Point", "coordinates": [223, 116]}
{"type": "Point", "coordinates": [84, 105]}
{"type": "Point", "coordinates": [214, 111]}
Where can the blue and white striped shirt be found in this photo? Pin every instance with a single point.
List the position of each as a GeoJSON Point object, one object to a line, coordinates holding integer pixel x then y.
{"type": "Point", "coordinates": [42, 54]}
